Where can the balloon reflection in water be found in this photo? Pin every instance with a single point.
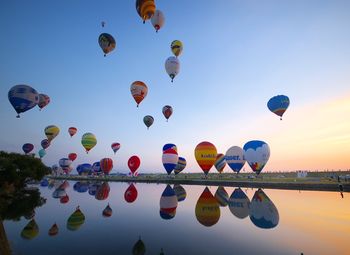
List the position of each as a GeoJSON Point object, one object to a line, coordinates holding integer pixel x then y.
{"type": "Point", "coordinates": [30, 231]}
{"type": "Point", "coordinates": [81, 187]}
{"type": "Point", "coordinates": [65, 199]}
{"type": "Point", "coordinates": [180, 192]}
{"type": "Point", "coordinates": [139, 248]}
{"type": "Point", "coordinates": [107, 212]}
{"type": "Point", "coordinates": [168, 203]}
{"type": "Point", "coordinates": [221, 196]}
{"type": "Point", "coordinates": [102, 192]}
{"type": "Point", "coordinates": [75, 220]}
{"type": "Point", "coordinates": [130, 194]}
{"type": "Point", "coordinates": [93, 187]}
{"type": "Point", "coordinates": [263, 213]}
{"type": "Point", "coordinates": [53, 230]}
{"type": "Point", "coordinates": [239, 204]}
{"type": "Point", "coordinates": [207, 209]}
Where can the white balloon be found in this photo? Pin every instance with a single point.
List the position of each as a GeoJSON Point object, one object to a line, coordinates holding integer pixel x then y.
{"type": "Point", "coordinates": [172, 67]}
{"type": "Point", "coordinates": [158, 20]}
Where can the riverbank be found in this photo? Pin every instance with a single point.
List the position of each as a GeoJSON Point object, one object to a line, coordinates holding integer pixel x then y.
{"type": "Point", "coordinates": [310, 183]}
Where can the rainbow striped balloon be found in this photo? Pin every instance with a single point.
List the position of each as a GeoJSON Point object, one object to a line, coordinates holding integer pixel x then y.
{"type": "Point", "coordinates": [169, 146]}
{"type": "Point", "coordinates": [220, 162]}
{"type": "Point", "coordinates": [205, 154]}
{"type": "Point", "coordinates": [88, 141]}
{"type": "Point", "coordinates": [207, 209]}
{"type": "Point", "coordinates": [106, 165]}
{"type": "Point", "coordinates": [170, 159]}
{"type": "Point", "coordinates": [75, 220]}
{"type": "Point", "coordinates": [181, 164]}
{"type": "Point", "coordinates": [168, 203]}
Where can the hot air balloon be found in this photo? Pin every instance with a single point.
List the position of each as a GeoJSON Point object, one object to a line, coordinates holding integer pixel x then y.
{"type": "Point", "coordinates": [44, 182]}
{"type": "Point", "coordinates": [168, 203]}
{"type": "Point", "coordinates": [88, 140]}
{"type": "Point", "coordinates": [115, 147]}
{"type": "Point", "coordinates": [170, 159]}
{"type": "Point", "coordinates": [172, 67]}
{"type": "Point", "coordinates": [207, 209]}
{"type": "Point", "coordinates": [23, 98]}
{"type": "Point", "coordinates": [27, 147]}
{"type": "Point", "coordinates": [64, 199]}
{"type": "Point", "coordinates": [30, 231]}
{"type": "Point", "coordinates": [148, 120]}
{"type": "Point", "coordinates": [234, 158]}
{"type": "Point", "coordinates": [131, 193]}
{"type": "Point", "coordinates": [167, 111]}
{"type": "Point", "coordinates": [84, 169]}
{"type": "Point", "coordinates": [262, 212]}
{"type": "Point", "coordinates": [93, 187]}
{"type": "Point", "coordinates": [257, 153]}
{"type": "Point", "coordinates": [42, 153]}
{"type": "Point", "coordinates": [138, 91]}
{"type": "Point", "coordinates": [107, 212]}
{"type": "Point", "coordinates": [220, 162]}
{"type": "Point", "coordinates": [134, 163]}
{"type": "Point", "coordinates": [239, 204]}
{"type": "Point", "coordinates": [180, 192]}
{"type": "Point", "coordinates": [103, 24]}
{"type": "Point", "coordinates": [169, 146]}
{"type": "Point", "coordinates": [64, 164]}
{"type": "Point", "coordinates": [45, 143]}
{"type": "Point", "coordinates": [205, 154]}
{"type": "Point", "coordinates": [53, 230]}
{"type": "Point", "coordinates": [81, 187]}
{"type": "Point", "coordinates": [106, 42]}
{"type": "Point", "coordinates": [96, 167]}
{"type": "Point", "coordinates": [51, 132]}
{"type": "Point", "coordinates": [221, 196]}
{"type": "Point", "coordinates": [43, 100]}
{"type": "Point", "coordinates": [59, 193]}
{"type": "Point", "coordinates": [145, 9]}
{"type": "Point", "coordinates": [139, 248]}
{"type": "Point", "coordinates": [176, 47]}
{"type": "Point", "coordinates": [72, 156]}
{"type": "Point", "coordinates": [102, 192]}
{"type": "Point", "coordinates": [76, 219]}
{"type": "Point", "coordinates": [157, 20]}
{"type": "Point", "coordinates": [278, 105]}
{"type": "Point", "coordinates": [181, 164]}
{"type": "Point", "coordinates": [64, 185]}
{"type": "Point", "coordinates": [72, 131]}
{"type": "Point", "coordinates": [106, 165]}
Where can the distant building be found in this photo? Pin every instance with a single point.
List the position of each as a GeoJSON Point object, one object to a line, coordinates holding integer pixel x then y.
{"type": "Point", "coordinates": [301, 174]}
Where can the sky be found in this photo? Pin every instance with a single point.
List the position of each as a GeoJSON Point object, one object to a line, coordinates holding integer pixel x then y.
{"type": "Point", "coordinates": [236, 56]}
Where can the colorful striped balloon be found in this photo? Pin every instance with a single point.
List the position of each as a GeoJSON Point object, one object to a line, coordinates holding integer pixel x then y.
{"type": "Point", "coordinates": [102, 192]}
{"type": "Point", "coordinates": [221, 196]}
{"type": "Point", "coordinates": [138, 91]}
{"type": "Point", "coordinates": [75, 220]}
{"type": "Point", "coordinates": [239, 204]}
{"type": "Point", "coordinates": [106, 165]}
{"type": "Point", "coordinates": [278, 105]}
{"type": "Point", "coordinates": [170, 159]}
{"type": "Point", "coordinates": [115, 147]}
{"type": "Point", "coordinates": [169, 146]}
{"type": "Point", "coordinates": [181, 164]}
{"type": "Point", "coordinates": [51, 132]}
{"type": "Point", "coordinates": [72, 131]}
{"type": "Point", "coordinates": [207, 209]}
{"type": "Point", "coordinates": [180, 192]}
{"type": "Point", "coordinates": [30, 231]}
{"type": "Point", "coordinates": [205, 154]}
{"type": "Point", "coordinates": [88, 140]}
{"type": "Point", "coordinates": [220, 162]}
{"type": "Point", "coordinates": [168, 203]}
{"type": "Point", "coordinates": [234, 158]}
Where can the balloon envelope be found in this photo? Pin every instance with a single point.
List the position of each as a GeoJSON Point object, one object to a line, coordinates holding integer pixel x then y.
{"type": "Point", "coordinates": [145, 9]}
{"type": "Point", "coordinates": [257, 153]}
{"type": "Point", "coordinates": [262, 212]}
{"type": "Point", "coordinates": [172, 67]}
{"type": "Point", "coordinates": [278, 104]}
{"type": "Point", "coordinates": [30, 231]}
{"type": "Point", "coordinates": [23, 98]}
{"type": "Point", "coordinates": [43, 100]}
{"type": "Point", "coordinates": [181, 164]}
{"type": "Point", "coordinates": [72, 131]}
{"type": "Point", "coordinates": [176, 47]}
{"type": "Point", "coordinates": [45, 143]}
{"type": "Point", "coordinates": [221, 196]}
{"type": "Point", "coordinates": [75, 220]}
{"type": "Point", "coordinates": [180, 192]}
{"type": "Point", "coordinates": [234, 158]}
{"type": "Point", "coordinates": [168, 203]}
{"type": "Point", "coordinates": [130, 194]}
{"type": "Point", "coordinates": [106, 165]}
{"type": "Point", "coordinates": [157, 20]}
{"type": "Point", "coordinates": [115, 147]}
{"type": "Point", "coordinates": [134, 163]}
{"type": "Point", "coordinates": [27, 147]}
{"type": "Point", "coordinates": [42, 153]}
{"type": "Point", "coordinates": [239, 204]}
{"type": "Point", "coordinates": [148, 120]}
{"type": "Point", "coordinates": [107, 212]}
{"type": "Point", "coordinates": [169, 146]}
{"type": "Point", "coordinates": [170, 159]}
{"type": "Point", "coordinates": [205, 154]}
{"type": "Point", "coordinates": [102, 192]}
{"type": "Point", "coordinates": [88, 141]}
{"type": "Point", "coordinates": [138, 91]}
{"type": "Point", "coordinates": [72, 156]}
{"type": "Point", "coordinates": [53, 230]}
{"type": "Point", "coordinates": [51, 132]}
{"type": "Point", "coordinates": [220, 162]}
{"type": "Point", "coordinates": [96, 167]}
{"type": "Point", "coordinates": [167, 111]}
{"type": "Point", "coordinates": [106, 42]}
{"type": "Point", "coordinates": [207, 209]}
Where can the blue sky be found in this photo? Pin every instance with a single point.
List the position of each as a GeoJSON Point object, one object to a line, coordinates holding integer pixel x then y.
{"type": "Point", "coordinates": [237, 54]}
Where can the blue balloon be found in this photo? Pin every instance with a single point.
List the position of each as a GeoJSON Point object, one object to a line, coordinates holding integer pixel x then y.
{"type": "Point", "coordinates": [278, 104]}
{"type": "Point", "coordinates": [44, 183]}
{"type": "Point", "coordinates": [23, 98]}
{"type": "Point", "coordinates": [96, 167]}
{"type": "Point", "coordinates": [169, 146]}
{"type": "Point", "coordinates": [81, 187]}
{"type": "Point", "coordinates": [256, 153]}
{"type": "Point", "coordinates": [84, 169]}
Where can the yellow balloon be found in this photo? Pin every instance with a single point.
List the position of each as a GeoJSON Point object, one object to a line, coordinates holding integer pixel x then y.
{"type": "Point", "coordinates": [51, 132]}
{"type": "Point", "coordinates": [176, 47]}
{"type": "Point", "coordinates": [207, 209]}
{"type": "Point", "coordinates": [88, 141]}
{"type": "Point", "coordinates": [205, 154]}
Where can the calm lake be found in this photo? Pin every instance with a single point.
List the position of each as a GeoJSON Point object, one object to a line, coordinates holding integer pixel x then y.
{"type": "Point", "coordinates": [149, 218]}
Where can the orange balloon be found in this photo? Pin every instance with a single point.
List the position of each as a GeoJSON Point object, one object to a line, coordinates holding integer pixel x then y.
{"type": "Point", "coordinates": [205, 154]}
{"type": "Point", "coordinates": [139, 91]}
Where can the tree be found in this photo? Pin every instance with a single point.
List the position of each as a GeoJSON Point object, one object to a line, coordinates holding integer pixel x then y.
{"type": "Point", "coordinates": [17, 169]}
